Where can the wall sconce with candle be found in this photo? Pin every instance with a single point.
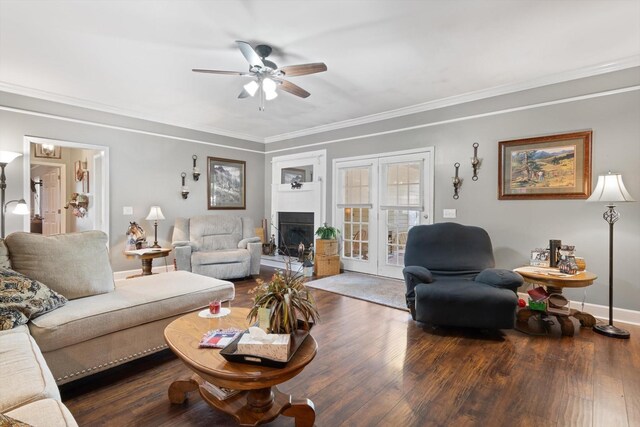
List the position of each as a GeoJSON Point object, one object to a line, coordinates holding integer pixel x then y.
{"type": "Point", "coordinates": [457, 182]}
{"type": "Point", "coordinates": [196, 171]}
{"type": "Point", "coordinates": [475, 161]}
{"type": "Point", "coordinates": [184, 190]}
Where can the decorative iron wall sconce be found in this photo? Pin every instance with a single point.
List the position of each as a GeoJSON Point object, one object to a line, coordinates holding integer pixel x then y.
{"type": "Point", "coordinates": [185, 190]}
{"type": "Point", "coordinates": [475, 161]}
{"type": "Point", "coordinates": [196, 171]}
{"type": "Point", "coordinates": [457, 181]}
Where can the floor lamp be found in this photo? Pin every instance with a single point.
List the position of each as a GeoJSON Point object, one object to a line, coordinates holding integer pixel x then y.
{"type": "Point", "coordinates": [611, 190]}
{"type": "Point", "coordinates": [155, 215]}
{"type": "Point", "coordinates": [6, 157]}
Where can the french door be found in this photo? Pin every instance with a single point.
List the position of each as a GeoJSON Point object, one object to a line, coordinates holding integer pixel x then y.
{"type": "Point", "coordinates": [378, 200]}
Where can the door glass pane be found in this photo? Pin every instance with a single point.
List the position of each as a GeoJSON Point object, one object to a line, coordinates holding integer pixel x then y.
{"type": "Point", "coordinates": [398, 223]}
{"type": "Point", "coordinates": [354, 188]}
{"type": "Point", "coordinates": [402, 184]}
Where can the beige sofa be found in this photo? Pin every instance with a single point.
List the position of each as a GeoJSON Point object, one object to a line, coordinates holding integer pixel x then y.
{"type": "Point", "coordinates": [104, 323]}
{"type": "Point", "coordinates": [220, 246]}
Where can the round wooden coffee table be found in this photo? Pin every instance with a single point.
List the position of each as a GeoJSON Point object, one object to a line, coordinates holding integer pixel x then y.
{"type": "Point", "coordinates": [261, 401]}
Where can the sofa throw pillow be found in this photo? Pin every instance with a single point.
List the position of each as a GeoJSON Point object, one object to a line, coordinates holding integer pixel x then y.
{"type": "Point", "coordinates": [22, 299]}
{"type": "Point", "coordinates": [7, 421]}
{"type": "Point", "coordinates": [74, 264]}
{"type": "Point", "coordinates": [4, 255]}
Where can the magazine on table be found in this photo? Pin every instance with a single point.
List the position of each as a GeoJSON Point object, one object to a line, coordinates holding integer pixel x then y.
{"type": "Point", "coordinates": [219, 338]}
{"type": "Point", "coordinates": [221, 393]}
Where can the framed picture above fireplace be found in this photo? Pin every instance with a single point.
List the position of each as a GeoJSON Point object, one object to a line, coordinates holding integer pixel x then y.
{"type": "Point", "coordinates": [288, 175]}
{"type": "Point", "coordinates": [226, 183]}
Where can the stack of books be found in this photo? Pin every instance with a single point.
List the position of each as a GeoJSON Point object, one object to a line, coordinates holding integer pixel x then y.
{"type": "Point", "coordinates": [221, 393]}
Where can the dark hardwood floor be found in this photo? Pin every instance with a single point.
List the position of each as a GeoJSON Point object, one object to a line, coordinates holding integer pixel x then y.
{"type": "Point", "coordinates": [375, 366]}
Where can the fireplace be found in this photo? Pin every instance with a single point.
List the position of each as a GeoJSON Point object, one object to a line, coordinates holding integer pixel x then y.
{"type": "Point", "coordinates": [295, 228]}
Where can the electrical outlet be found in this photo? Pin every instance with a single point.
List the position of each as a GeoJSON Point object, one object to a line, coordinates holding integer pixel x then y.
{"type": "Point", "coordinates": [448, 213]}
{"type": "Point", "coordinates": [127, 210]}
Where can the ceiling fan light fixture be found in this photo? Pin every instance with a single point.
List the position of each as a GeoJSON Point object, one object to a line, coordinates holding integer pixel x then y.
{"type": "Point", "coordinates": [251, 87]}
{"type": "Point", "coordinates": [270, 95]}
{"type": "Point", "coordinates": [268, 85]}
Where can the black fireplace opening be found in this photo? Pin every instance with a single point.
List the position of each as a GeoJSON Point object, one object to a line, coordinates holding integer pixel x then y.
{"type": "Point", "coordinates": [294, 228]}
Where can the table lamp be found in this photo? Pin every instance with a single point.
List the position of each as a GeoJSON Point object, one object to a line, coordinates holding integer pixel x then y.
{"type": "Point", "coordinates": [155, 215]}
{"type": "Point", "coordinates": [611, 190]}
{"type": "Point", "coordinates": [6, 157]}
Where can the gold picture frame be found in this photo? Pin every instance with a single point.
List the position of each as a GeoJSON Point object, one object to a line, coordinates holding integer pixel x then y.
{"type": "Point", "coordinates": [545, 167]}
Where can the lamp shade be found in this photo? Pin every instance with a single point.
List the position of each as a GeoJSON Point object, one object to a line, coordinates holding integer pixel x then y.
{"type": "Point", "coordinates": [610, 188]}
{"type": "Point", "coordinates": [21, 208]}
{"type": "Point", "coordinates": [155, 214]}
{"type": "Point", "coordinates": [8, 156]}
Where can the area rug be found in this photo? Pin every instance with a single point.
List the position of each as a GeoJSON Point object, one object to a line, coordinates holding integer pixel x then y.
{"type": "Point", "coordinates": [376, 289]}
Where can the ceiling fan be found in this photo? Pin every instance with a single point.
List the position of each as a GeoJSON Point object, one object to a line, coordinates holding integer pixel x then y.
{"type": "Point", "coordinates": [267, 75]}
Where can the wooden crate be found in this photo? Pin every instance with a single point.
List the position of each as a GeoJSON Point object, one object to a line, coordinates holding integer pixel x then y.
{"type": "Point", "coordinates": [327, 265]}
{"type": "Point", "coordinates": [326, 247]}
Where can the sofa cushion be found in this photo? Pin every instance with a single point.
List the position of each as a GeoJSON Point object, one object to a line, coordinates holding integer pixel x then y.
{"type": "Point", "coordinates": [22, 298]}
{"type": "Point", "coordinates": [44, 413]}
{"type": "Point", "coordinates": [75, 264]}
{"type": "Point", "coordinates": [220, 257]}
{"type": "Point", "coordinates": [6, 421]}
{"type": "Point", "coordinates": [134, 302]}
{"type": "Point", "coordinates": [4, 255]}
{"type": "Point", "coordinates": [24, 375]}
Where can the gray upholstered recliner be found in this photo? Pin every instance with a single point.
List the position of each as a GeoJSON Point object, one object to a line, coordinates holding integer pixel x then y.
{"type": "Point", "coordinates": [219, 246]}
{"type": "Point", "coordinates": [451, 281]}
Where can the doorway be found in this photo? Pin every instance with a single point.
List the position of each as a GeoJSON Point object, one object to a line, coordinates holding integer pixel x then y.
{"type": "Point", "coordinates": [67, 184]}
{"type": "Point", "coordinates": [378, 199]}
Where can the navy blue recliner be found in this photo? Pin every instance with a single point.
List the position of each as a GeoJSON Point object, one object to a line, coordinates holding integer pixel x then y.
{"type": "Point", "coordinates": [451, 281]}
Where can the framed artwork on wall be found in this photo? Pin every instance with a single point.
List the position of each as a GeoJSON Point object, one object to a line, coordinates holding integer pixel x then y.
{"type": "Point", "coordinates": [545, 167]}
{"type": "Point", "coordinates": [226, 183]}
{"type": "Point", "coordinates": [288, 175]}
{"type": "Point", "coordinates": [47, 151]}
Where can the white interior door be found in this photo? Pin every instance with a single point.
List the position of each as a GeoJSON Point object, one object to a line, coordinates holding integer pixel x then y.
{"type": "Point", "coordinates": [378, 200]}
{"type": "Point", "coordinates": [51, 209]}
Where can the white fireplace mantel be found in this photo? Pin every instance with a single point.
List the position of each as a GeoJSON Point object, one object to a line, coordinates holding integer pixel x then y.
{"type": "Point", "coordinates": [310, 198]}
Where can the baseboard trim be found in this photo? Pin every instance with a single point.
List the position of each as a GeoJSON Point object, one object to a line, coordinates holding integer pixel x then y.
{"type": "Point", "coordinates": [602, 311]}
{"type": "Point", "coordinates": [121, 275]}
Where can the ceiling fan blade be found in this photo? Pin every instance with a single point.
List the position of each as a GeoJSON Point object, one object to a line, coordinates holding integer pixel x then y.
{"type": "Point", "coordinates": [250, 54]}
{"type": "Point", "coordinates": [303, 69]}
{"type": "Point", "coordinates": [244, 94]}
{"type": "Point", "coordinates": [233, 73]}
{"type": "Point", "coordinates": [294, 89]}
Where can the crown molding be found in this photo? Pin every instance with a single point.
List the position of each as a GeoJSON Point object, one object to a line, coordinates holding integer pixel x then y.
{"type": "Point", "coordinates": [83, 103]}
{"type": "Point", "coordinates": [595, 70]}
{"type": "Point", "coordinates": [608, 67]}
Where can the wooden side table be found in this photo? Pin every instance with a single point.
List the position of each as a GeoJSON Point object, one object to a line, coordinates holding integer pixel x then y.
{"type": "Point", "coordinates": [147, 256]}
{"type": "Point", "coordinates": [555, 281]}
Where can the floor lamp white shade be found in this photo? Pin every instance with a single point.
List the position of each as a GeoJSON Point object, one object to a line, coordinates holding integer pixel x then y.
{"type": "Point", "coordinates": [8, 156]}
{"type": "Point", "coordinates": [610, 190]}
{"type": "Point", "coordinates": [155, 215]}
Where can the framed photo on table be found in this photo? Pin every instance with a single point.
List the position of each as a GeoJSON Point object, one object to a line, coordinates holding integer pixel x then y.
{"type": "Point", "coordinates": [226, 183]}
{"type": "Point", "coordinates": [545, 167]}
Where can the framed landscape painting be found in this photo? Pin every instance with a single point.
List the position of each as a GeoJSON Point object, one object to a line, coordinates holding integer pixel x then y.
{"type": "Point", "coordinates": [226, 183]}
{"type": "Point", "coordinates": [546, 167]}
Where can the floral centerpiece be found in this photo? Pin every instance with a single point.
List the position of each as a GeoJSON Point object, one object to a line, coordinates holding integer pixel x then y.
{"type": "Point", "coordinates": [288, 300]}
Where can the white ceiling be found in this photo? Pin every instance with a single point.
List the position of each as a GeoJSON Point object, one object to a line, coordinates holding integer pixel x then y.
{"type": "Point", "coordinates": [135, 57]}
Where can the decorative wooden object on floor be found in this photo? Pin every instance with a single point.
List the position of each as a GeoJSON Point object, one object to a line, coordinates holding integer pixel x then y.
{"type": "Point", "coordinates": [326, 247]}
{"type": "Point", "coordinates": [327, 261]}
{"type": "Point", "coordinates": [554, 281]}
{"type": "Point", "coordinates": [261, 401]}
{"type": "Point", "coordinates": [147, 258]}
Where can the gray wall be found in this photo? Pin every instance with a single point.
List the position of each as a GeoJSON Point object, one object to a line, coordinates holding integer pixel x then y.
{"type": "Point", "coordinates": [144, 169]}
{"type": "Point", "coordinates": [516, 227]}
